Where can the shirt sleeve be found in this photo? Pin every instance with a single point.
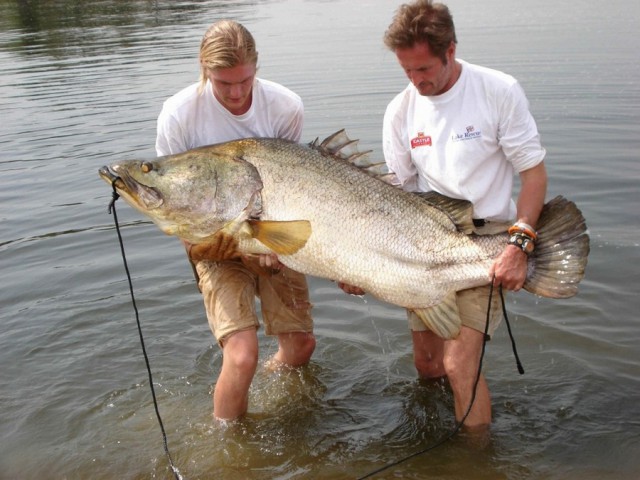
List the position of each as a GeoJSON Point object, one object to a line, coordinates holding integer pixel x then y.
{"type": "Point", "coordinates": [518, 133]}
{"type": "Point", "coordinates": [293, 130]}
{"type": "Point", "coordinates": [169, 137]}
{"type": "Point", "coordinates": [395, 146]}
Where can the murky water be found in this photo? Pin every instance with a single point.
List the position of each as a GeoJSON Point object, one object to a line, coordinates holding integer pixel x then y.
{"type": "Point", "coordinates": [81, 86]}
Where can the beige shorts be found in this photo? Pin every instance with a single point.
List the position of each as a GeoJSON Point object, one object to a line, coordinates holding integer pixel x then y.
{"type": "Point", "coordinates": [230, 288]}
{"type": "Point", "coordinates": [472, 305]}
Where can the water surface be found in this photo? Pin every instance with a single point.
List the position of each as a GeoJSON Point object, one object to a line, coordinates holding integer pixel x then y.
{"type": "Point", "coordinates": [82, 84]}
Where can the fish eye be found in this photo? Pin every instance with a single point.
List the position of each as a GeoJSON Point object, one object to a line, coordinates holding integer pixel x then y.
{"type": "Point", "coordinates": [146, 167]}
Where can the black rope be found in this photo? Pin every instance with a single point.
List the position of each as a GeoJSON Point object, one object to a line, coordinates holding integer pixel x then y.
{"type": "Point", "coordinates": [112, 209]}
{"type": "Point", "coordinates": [513, 341]}
{"type": "Point", "coordinates": [459, 424]}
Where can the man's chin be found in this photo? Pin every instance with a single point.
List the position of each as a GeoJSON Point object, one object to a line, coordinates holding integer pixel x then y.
{"type": "Point", "coordinates": [236, 106]}
{"type": "Point", "coordinates": [427, 91]}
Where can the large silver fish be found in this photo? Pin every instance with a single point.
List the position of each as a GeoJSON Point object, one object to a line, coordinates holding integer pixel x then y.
{"type": "Point", "coordinates": [324, 215]}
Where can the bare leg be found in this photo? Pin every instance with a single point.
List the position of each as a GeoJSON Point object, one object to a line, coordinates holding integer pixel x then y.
{"type": "Point", "coordinates": [239, 362]}
{"type": "Point", "coordinates": [461, 361]}
{"type": "Point", "coordinates": [295, 348]}
{"type": "Point", "coordinates": [428, 352]}
{"type": "Point", "coordinates": [458, 360]}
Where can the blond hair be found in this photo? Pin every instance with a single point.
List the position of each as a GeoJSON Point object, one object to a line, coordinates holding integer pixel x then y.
{"type": "Point", "coordinates": [225, 44]}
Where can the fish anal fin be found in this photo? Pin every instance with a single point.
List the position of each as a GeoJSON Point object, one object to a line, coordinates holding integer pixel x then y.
{"type": "Point", "coordinates": [283, 238]}
{"type": "Point", "coordinates": [442, 319]}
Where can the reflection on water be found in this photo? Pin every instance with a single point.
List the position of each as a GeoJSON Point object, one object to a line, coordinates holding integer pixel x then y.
{"type": "Point", "coordinates": [81, 86]}
{"type": "Point", "coordinates": [49, 16]}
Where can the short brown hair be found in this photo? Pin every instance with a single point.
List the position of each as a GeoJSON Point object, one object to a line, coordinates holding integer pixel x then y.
{"type": "Point", "coordinates": [422, 22]}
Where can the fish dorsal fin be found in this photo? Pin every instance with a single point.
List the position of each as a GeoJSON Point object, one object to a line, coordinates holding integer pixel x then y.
{"type": "Point", "coordinates": [340, 146]}
{"type": "Point", "coordinates": [283, 238]}
{"type": "Point", "coordinates": [459, 211]}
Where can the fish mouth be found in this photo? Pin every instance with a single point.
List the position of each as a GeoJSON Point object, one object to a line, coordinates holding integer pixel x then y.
{"type": "Point", "coordinates": [134, 192]}
{"type": "Point", "coordinates": [121, 182]}
{"type": "Point", "coordinates": [111, 178]}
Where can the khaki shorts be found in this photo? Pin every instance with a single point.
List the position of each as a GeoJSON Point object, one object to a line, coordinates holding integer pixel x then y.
{"type": "Point", "coordinates": [472, 306]}
{"type": "Point", "coordinates": [229, 290]}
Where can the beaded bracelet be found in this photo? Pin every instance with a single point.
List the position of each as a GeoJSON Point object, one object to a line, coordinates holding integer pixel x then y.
{"type": "Point", "coordinates": [523, 241]}
{"type": "Point", "coordinates": [521, 227]}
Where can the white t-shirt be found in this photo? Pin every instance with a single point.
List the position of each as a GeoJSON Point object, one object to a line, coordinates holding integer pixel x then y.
{"type": "Point", "coordinates": [466, 143]}
{"type": "Point", "coordinates": [189, 120]}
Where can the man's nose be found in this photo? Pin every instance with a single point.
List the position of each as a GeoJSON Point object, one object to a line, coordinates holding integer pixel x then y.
{"type": "Point", "coordinates": [414, 77]}
{"type": "Point", "coordinates": [235, 90]}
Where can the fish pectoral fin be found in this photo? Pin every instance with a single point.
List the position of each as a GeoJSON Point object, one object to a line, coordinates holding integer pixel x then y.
{"type": "Point", "coordinates": [442, 319]}
{"type": "Point", "coordinates": [284, 238]}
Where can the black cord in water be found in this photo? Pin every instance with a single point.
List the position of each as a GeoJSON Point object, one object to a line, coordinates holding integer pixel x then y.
{"type": "Point", "coordinates": [459, 424]}
{"type": "Point", "coordinates": [112, 208]}
{"type": "Point", "coordinates": [513, 341]}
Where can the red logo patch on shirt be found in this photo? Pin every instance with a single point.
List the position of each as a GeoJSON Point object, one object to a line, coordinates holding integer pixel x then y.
{"type": "Point", "coordinates": [421, 140]}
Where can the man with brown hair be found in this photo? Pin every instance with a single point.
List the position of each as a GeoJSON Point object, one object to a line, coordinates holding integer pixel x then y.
{"type": "Point", "coordinates": [463, 131]}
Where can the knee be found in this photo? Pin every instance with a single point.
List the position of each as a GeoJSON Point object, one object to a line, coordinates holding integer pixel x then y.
{"type": "Point", "coordinates": [306, 346]}
{"type": "Point", "coordinates": [457, 370]}
{"type": "Point", "coordinates": [303, 347]}
{"type": "Point", "coordinates": [428, 351]}
{"type": "Point", "coordinates": [428, 368]}
{"type": "Point", "coordinates": [243, 359]}
{"type": "Point", "coordinates": [296, 348]}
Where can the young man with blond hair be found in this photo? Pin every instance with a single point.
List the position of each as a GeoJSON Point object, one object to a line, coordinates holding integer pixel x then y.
{"type": "Point", "coordinates": [230, 103]}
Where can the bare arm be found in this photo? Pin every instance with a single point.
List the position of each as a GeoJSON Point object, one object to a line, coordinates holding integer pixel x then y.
{"type": "Point", "coordinates": [510, 267]}
{"type": "Point", "coordinates": [225, 247]}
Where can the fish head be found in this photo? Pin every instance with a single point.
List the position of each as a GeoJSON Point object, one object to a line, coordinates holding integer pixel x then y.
{"type": "Point", "coordinates": [191, 195]}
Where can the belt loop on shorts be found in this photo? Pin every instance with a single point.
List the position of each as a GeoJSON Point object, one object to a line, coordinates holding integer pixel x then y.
{"type": "Point", "coordinates": [478, 222]}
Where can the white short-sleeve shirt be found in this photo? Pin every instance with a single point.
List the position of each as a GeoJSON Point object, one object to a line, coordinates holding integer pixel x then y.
{"type": "Point", "coordinates": [190, 119]}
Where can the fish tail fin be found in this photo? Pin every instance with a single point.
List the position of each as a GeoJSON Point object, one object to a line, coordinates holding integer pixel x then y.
{"type": "Point", "coordinates": [558, 262]}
